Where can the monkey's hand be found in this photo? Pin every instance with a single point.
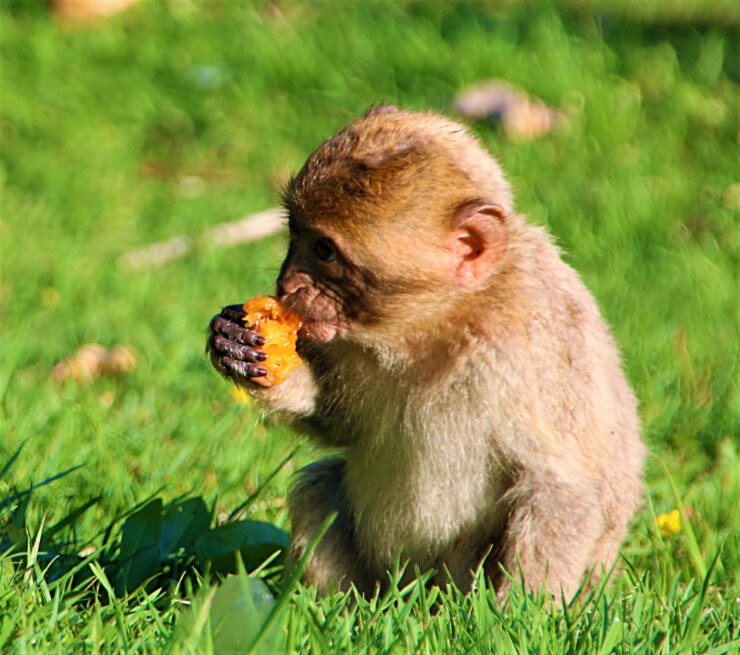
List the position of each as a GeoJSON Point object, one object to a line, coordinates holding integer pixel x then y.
{"type": "Point", "coordinates": [235, 350]}
{"type": "Point", "coordinates": [236, 353]}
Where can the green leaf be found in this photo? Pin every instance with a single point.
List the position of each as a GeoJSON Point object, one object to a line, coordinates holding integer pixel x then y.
{"type": "Point", "coordinates": [183, 523]}
{"type": "Point", "coordinates": [139, 555]}
{"type": "Point", "coordinates": [255, 540]}
{"type": "Point", "coordinates": [239, 610]}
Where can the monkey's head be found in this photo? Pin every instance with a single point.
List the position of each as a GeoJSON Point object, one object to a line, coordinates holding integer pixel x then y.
{"type": "Point", "coordinates": [398, 220]}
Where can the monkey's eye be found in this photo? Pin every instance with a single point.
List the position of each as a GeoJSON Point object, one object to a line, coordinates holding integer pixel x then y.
{"type": "Point", "coordinates": [325, 250]}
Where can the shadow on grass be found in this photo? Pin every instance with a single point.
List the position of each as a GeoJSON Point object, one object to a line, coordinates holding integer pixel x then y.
{"type": "Point", "coordinates": [153, 544]}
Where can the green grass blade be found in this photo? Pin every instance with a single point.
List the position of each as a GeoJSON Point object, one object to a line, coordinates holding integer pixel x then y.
{"type": "Point", "coordinates": [12, 459]}
{"type": "Point", "coordinates": [11, 499]}
{"type": "Point", "coordinates": [692, 545]}
{"type": "Point", "coordinates": [291, 584]}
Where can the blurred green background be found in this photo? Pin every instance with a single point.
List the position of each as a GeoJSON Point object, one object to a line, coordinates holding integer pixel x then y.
{"type": "Point", "coordinates": [174, 116]}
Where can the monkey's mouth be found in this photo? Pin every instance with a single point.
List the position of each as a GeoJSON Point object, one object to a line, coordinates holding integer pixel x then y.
{"type": "Point", "coordinates": [318, 321]}
{"type": "Point", "coordinates": [317, 331]}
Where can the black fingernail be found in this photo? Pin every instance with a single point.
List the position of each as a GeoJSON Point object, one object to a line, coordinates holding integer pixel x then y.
{"type": "Point", "coordinates": [262, 371]}
{"type": "Point", "coordinates": [259, 340]}
{"type": "Point", "coordinates": [261, 357]}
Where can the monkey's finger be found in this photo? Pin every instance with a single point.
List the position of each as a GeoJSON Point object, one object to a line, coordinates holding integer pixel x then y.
{"type": "Point", "coordinates": [233, 313]}
{"type": "Point", "coordinates": [236, 332]}
{"type": "Point", "coordinates": [235, 350]}
{"type": "Point", "coordinates": [245, 369]}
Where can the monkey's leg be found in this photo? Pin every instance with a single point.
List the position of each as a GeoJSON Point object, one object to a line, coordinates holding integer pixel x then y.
{"type": "Point", "coordinates": [335, 562]}
{"type": "Point", "coordinates": [552, 534]}
{"type": "Point", "coordinates": [618, 515]}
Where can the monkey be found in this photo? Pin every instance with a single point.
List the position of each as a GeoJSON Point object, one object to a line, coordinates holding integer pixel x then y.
{"type": "Point", "coordinates": [455, 362]}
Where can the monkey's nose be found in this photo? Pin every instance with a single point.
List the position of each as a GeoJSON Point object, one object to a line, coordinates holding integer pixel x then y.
{"type": "Point", "coordinates": [290, 284]}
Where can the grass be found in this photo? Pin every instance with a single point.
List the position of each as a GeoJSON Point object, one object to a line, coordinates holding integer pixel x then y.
{"type": "Point", "coordinates": [175, 116]}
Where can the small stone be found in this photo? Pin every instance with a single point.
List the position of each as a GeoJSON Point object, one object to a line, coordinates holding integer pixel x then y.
{"type": "Point", "coordinates": [88, 11]}
{"type": "Point", "coordinates": [731, 197]}
{"type": "Point", "coordinates": [92, 361]}
{"type": "Point", "coordinates": [522, 117]}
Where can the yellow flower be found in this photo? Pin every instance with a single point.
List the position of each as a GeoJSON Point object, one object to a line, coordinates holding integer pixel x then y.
{"type": "Point", "coordinates": [669, 523]}
{"type": "Point", "coordinates": [240, 395]}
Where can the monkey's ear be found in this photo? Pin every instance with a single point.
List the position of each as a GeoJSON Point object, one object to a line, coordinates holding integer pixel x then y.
{"type": "Point", "coordinates": [374, 110]}
{"type": "Point", "coordinates": [477, 242]}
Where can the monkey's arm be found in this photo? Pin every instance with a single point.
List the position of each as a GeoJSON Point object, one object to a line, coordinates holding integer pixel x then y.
{"type": "Point", "coordinates": [294, 399]}
{"type": "Point", "coordinates": [235, 353]}
{"type": "Point", "coordinates": [335, 562]}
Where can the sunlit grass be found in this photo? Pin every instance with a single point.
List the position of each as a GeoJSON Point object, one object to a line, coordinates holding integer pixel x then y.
{"type": "Point", "coordinates": [176, 116]}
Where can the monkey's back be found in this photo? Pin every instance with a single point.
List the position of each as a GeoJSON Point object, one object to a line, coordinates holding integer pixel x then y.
{"type": "Point", "coordinates": [566, 413]}
{"type": "Point", "coordinates": [554, 355]}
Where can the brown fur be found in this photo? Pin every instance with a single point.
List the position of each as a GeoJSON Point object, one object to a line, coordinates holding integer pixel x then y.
{"type": "Point", "coordinates": [460, 362]}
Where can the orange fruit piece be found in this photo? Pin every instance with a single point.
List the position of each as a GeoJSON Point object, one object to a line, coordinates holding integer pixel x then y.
{"type": "Point", "coordinates": [279, 325]}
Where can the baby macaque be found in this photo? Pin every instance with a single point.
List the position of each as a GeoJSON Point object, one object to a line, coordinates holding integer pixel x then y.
{"type": "Point", "coordinates": [461, 366]}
